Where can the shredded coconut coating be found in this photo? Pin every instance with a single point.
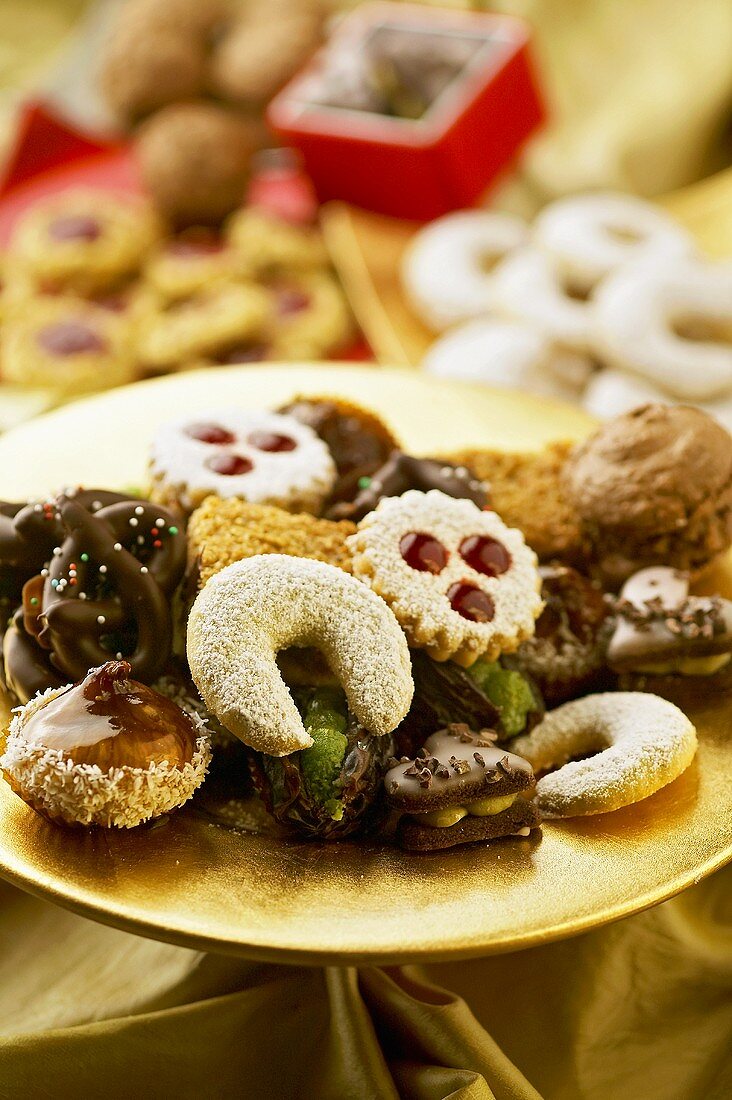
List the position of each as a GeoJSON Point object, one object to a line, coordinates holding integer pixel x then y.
{"type": "Point", "coordinates": [83, 794]}
{"type": "Point", "coordinates": [221, 532]}
{"type": "Point", "coordinates": [641, 742]}
{"type": "Point", "coordinates": [419, 600]}
{"type": "Point", "coordinates": [256, 607]}
{"type": "Point", "coordinates": [297, 480]}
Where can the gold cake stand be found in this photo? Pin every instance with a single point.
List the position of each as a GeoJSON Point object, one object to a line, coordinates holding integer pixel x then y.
{"type": "Point", "coordinates": [194, 879]}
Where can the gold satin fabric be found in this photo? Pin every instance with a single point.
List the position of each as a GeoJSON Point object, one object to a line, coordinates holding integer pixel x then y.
{"type": "Point", "coordinates": [639, 1010]}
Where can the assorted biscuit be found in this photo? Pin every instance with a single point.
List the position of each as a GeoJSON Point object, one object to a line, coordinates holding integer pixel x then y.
{"type": "Point", "coordinates": [98, 292]}
{"type": "Point", "coordinates": [377, 635]}
{"type": "Point", "coordinates": [604, 300]}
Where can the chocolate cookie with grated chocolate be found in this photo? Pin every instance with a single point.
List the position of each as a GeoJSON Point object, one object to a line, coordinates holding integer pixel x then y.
{"type": "Point", "coordinates": [460, 788]}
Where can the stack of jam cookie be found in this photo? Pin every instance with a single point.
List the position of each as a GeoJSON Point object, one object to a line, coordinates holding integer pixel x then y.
{"type": "Point", "coordinates": [443, 649]}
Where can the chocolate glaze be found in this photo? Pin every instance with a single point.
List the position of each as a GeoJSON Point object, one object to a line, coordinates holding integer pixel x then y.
{"type": "Point", "coordinates": [27, 667]}
{"type": "Point", "coordinates": [455, 766]}
{"type": "Point", "coordinates": [112, 721]}
{"type": "Point", "coordinates": [659, 622]}
{"type": "Point", "coordinates": [402, 472]}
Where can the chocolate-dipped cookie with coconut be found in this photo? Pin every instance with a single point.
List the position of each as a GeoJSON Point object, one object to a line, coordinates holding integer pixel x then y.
{"type": "Point", "coordinates": [662, 630]}
{"type": "Point", "coordinates": [460, 788]}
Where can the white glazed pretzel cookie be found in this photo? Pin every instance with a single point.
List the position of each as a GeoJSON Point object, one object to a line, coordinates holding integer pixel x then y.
{"type": "Point", "coordinates": [528, 286]}
{"type": "Point", "coordinates": [254, 608]}
{"type": "Point", "coordinates": [447, 270]}
{"type": "Point", "coordinates": [671, 325]}
{"type": "Point", "coordinates": [589, 236]}
{"type": "Point", "coordinates": [640, 743]}
{"type": "Point", "coordinates": [506, 353]}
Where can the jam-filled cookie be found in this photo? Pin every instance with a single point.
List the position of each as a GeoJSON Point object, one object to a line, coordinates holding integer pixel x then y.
{"type": "Point", "coordinates": [311, 317]}
{"type": "Point", "coordinates": [223, 323]}
{"type": "Point", "coordinates": [460, 582]}
{"type": "Point", "coordinates": [188, 262]}
{"type": "Point", "coordinates": [83, 241]}
{"type": "Point", "coordinates": [259, 456]}
{"type": "Point", "coordinates": [268, 246]}
{"type": "Point", "coordinates": [70, 346]}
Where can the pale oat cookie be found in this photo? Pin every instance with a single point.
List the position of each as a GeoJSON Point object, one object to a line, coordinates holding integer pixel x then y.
{"type": "Point", "coordinates": [259, 456]}
{"type": "Point", "coordinates": [253, 609]}
{"type": "Point", "coordinates": [641, 742]}
{"type": "Point", "coordinates": [470, 559]}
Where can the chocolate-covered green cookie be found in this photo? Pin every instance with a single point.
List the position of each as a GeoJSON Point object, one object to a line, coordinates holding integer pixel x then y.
{"type": "Point", "coordinates": [460, 788]}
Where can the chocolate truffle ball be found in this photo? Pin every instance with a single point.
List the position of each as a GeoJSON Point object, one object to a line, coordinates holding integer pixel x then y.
{"type": "Point", "coordinates": [654, 487]}
{"type": "Point", "coordinates": [259, 55]}
{"type": "Point", "coordinates": [143, 70]}
{"type": "Point", "coordinates": [194, 159]}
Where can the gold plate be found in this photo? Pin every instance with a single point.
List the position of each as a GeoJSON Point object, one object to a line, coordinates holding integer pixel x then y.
{"type": "Point", "coordinates": [367, 249]}
{"type": "Point", "coordinates": [192, 880]}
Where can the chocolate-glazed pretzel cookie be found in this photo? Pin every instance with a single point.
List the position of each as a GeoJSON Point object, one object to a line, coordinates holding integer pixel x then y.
{"type": "Point", "coordinates": [110, 577]}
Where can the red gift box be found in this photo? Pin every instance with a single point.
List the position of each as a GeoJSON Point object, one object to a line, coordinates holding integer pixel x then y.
{"type": "Point", "coordinates": [417, 168]}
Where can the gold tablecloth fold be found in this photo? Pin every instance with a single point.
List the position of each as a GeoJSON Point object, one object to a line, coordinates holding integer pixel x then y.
{"type": "Point", "coordinates": [640, 1009]}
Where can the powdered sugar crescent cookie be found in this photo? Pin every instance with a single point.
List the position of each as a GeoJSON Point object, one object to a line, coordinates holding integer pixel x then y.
{"type": "Point", "coordinates": [260, 456]}
{"type": "Point", "coordinates": [529, 286]}
{"type": "Point", "coordinates": [460, 582]}
{"type": "Point", "coordinates": [671, 325]}
{"type": "Point", "coordinates": [447, 269]}
{"type": "Point", "coordinates": [640, 743]}
{"type": "Point", "coordinates": [591, 235]}
{"type": "Point", "coordinates": [507, 353]}
{"type": "Point", "coordinates": [254, 608]}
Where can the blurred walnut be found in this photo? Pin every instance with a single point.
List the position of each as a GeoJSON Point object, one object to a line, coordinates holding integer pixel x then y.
{"type": "Point", "coordinates": [259, 55]}
{"type": "Point", "coordinates": [194, 159]}
{"type": "Point", "coordinates": [145, 69]}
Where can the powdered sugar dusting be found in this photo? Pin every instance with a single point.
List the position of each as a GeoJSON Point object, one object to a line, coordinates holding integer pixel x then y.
{"type": "Point", "coordinates": [641, 742]}
{"type": "Point", "coordinates": [419, 599]}
{"type": "Point", "coordinates": [254, 608]}
{"type": "Point", "coordinates": [297, 480]}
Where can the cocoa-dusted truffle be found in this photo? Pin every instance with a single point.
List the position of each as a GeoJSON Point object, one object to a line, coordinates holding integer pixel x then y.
{"type": "Point", "coordinates": [144, 68]}
{"type": "Point", "coordinates": [194, 159]}
{"type": "Point", "coordinates": [654, 487]}
{"type": "Point", "coordinates": [260, 54]}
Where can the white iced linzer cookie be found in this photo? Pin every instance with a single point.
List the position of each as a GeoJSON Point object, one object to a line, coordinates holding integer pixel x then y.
{"type": "Point", "coordinates": [461, 583]}
{"type": "Point", "coordinates": [589, 236]}
{"type": "Point", "coordinates": [670, 324]}
{"type": "Point", "coordinates": [528, 286]}
{"type": "Point", "coordinates": [447, 270]}
{"type": "Point", "coordinates": [254, 608]}
{"type": "Point", "coordinates": [509, 354]}
{"type": "Point", "coordinates": [260, 456]}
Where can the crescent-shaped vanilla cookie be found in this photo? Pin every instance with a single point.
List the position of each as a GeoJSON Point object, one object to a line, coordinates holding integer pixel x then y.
{"type": "Point", "coordinates": [254, 608]}
{"type": "Point", "coordinates": [638, 741]}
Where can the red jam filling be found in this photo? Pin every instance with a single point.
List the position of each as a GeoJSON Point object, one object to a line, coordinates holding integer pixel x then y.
{"type": "Point", "coordinates": [69, 338]}
{"type": "Point", "coordinates": [210, 433]}
{"type": "Point", "coordinates": [271, 441]}
{"type": "Point", "coordinates": [191, 245]}
{"type": "Point", "coordinates": [423, 552]}
{"type": "Point", "coordinates": [290, 300]}
{"type": "Point", "coordinates": [470, 602]}
{"type": "Point", "coordinates": [75, 227]}
{"type": "Point", "coordinates": [485, 555]}
{"type": "Point", "coordinates": [229, 465]}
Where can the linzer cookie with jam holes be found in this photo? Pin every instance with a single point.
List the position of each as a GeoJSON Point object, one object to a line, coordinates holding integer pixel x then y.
{"type": "Point", "coordinates": [460, 788]}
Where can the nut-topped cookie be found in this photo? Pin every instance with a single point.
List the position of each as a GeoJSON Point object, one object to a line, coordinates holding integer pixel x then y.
{"type": "Point", "coordinates": [460, 582]}
{"type": "Point", "coordinates": [460, 788]}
